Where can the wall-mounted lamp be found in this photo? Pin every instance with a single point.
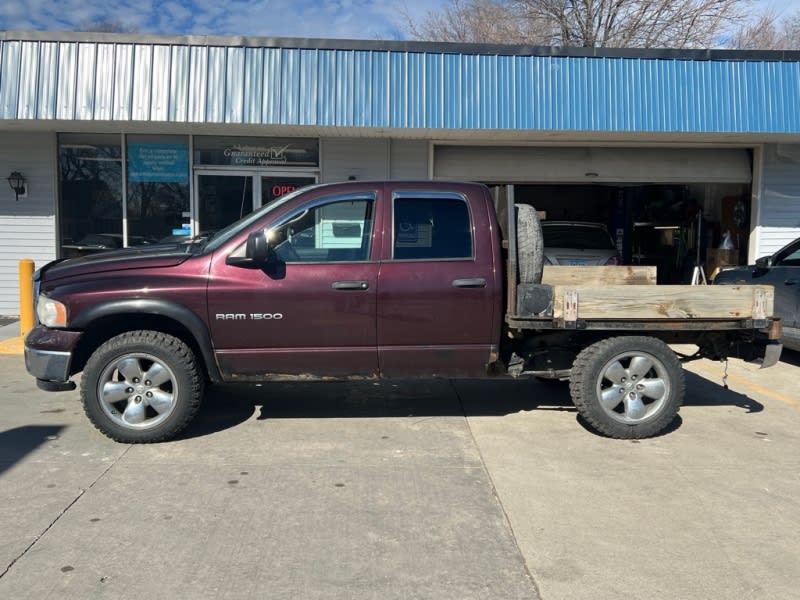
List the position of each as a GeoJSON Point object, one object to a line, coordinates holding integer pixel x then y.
{"type": "Point", "coordinates": [17, 182]}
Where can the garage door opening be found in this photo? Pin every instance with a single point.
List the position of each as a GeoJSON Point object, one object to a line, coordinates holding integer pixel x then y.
{"type": "Point", "coordinates": [671, 227]}
{"type": "Point", "coordinates": [667, 207]}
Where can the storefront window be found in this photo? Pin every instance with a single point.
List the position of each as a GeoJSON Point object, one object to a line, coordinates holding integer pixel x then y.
{"type": "Point", "coordinates": [90, 201]}
{"type": "Point", "coordinates": [158, 187]}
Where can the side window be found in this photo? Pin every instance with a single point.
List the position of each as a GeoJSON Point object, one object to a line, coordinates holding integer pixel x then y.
{"type": "Point", "coordinates": [430, 228]}
{"type": "Point", "coordinates": [791, 258]}
{"type": "Point", "coordinates": [340, 231]}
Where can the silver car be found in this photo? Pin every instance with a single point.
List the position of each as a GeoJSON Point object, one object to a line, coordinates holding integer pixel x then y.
{"type": "Point", "coordinates": [578, 243]}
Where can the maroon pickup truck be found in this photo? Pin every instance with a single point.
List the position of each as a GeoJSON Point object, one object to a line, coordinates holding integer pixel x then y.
{"type": "Point", "coordinates": [368, 280]}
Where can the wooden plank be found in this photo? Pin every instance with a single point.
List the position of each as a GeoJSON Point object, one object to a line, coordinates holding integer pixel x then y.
{"type": "Point", "coordinates": [599, 275]}
{"type": "Point", "coordinates": [632, 302]}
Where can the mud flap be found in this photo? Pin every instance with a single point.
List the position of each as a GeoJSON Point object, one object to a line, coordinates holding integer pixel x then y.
{"type": "Point", "coordinates": [772, 354]}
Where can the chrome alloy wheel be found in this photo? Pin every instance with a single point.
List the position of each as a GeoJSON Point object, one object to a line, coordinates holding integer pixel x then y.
{"type": "Point", "coordinates": [137, 391]}
{"type": "Point", "coordinates": [633, 387]}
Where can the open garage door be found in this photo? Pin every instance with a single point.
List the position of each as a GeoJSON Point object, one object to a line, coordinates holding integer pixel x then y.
{"type": "Point", "coordinates": [527, 164]}
{"type": "Point", "coordinates": [666, 207]}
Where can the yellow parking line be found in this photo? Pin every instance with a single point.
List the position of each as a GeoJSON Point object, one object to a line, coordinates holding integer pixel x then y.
{"type": "Point", "coordinates": [13, 346]}
{"type": "Point", "coordinates": [753, 386]}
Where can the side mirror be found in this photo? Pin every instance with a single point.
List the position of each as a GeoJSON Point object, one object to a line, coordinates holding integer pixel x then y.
{"type": "Point", "coordinates": [257, 252]}
{"type": "Point", "coordinates": [257, 248]}
{"type": "Point", "coordinates": [765, 262]}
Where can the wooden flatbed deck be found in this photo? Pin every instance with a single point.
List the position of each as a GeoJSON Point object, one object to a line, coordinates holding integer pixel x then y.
{"type": "Point", "coordinates": [627, 298]}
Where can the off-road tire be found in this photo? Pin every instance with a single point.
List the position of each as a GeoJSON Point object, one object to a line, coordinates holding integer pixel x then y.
{"type": "Point", "coordinates": [111, 371]}
{"type": "Point", "coordinates": [641, 380]}
{"type": "Point", "coordinates": [530, 246]}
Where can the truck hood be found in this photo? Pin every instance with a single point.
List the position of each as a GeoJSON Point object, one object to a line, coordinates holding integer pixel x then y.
{"type": "Point", "coordinates": [139, 257]}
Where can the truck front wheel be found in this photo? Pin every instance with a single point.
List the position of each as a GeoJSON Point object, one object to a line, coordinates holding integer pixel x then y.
{"type": "Point", "coordinates": [628, 387]}
{"type": "Point", "coordinates": [141, 386]}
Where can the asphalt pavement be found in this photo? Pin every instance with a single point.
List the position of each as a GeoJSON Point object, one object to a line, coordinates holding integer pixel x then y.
{"type": "Point", "coordinates": [405, 490]}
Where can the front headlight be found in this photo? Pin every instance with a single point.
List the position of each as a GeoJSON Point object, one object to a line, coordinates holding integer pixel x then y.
{"type": "Point", "coordinates": [51, 313]}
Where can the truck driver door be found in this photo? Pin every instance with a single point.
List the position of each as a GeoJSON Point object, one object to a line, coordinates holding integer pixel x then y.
{"type": "Point", "coordinates": [313, 312]}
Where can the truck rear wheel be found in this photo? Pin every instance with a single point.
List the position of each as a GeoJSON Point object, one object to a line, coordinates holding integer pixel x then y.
{"type": "Point", "coordinates": [141, 386]}
{"type": "Point", "coordinates": [530, 245]}
{"type": "Point", "coordinates": [628, 387]}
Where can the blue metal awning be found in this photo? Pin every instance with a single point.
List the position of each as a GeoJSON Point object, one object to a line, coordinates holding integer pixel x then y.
{"type": "Point", "coordinates": [118, 78]}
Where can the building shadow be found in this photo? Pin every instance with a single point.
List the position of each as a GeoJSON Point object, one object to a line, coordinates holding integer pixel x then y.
{"type": "Point", "coordinates": [17, 443]}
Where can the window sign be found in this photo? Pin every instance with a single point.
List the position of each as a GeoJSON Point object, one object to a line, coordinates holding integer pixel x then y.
{"type": "Point", "coordinates": [158, 187]}
{"type": "Point", "coordinates": [158, 163]}
{"type": "Point", "coordinates": [273, 188]}
{"type": "Point", "coordinates": [256, 152]}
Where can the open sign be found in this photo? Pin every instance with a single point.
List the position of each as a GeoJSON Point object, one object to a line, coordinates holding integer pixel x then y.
{"type": "Point", "coordinates": [280, 190]}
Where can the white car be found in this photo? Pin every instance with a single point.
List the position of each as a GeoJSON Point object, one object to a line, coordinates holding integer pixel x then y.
{"type": "Point", "coordinates": [578, 243]}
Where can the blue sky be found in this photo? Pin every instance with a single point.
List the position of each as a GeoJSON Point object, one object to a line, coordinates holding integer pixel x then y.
{"type": "Point", "coordinates": [358, 19]}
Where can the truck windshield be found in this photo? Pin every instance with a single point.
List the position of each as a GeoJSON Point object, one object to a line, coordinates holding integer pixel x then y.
{"type": "Point", "coordinates": [223, 235]}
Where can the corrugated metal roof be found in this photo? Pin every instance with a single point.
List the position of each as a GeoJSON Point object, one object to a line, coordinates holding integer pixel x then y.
{"type": "Point", "coordinates": [130, 81]}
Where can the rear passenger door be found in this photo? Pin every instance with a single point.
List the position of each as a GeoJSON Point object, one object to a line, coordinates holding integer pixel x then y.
{"type": "Point", "coordinates": [437, 293]}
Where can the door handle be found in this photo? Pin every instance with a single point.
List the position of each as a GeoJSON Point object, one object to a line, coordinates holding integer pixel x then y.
{"type": "Point", "coordinates": [350, 285]}
{"type": "Point", "coordinates": [791, 282]}
{"type": "Point", "coordinates": [477, 282]}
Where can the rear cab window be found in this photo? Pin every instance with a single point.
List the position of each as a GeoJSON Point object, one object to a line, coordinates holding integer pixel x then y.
{"type": "Point", "coordinates": [433, 226]}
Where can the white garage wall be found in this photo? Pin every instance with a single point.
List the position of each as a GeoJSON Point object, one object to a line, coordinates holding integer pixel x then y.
{"type": "Point", "coordinates": [409, 159]}
{"type": "Point", "coordinates": [779, 221]}
{"type": "Point", "coordinates": [342, 158]}
{"type": "Point", "coordinates": [27, 227]}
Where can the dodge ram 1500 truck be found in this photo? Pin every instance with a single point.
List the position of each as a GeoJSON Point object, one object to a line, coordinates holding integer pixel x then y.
{"type": "Point", "coordinates": [368, 280]}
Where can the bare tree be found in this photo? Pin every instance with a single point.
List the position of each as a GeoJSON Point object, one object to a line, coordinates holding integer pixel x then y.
{"type": "Point", "coordinates": [475, 21]}
{"type": "Point", "coordinates": [769, 32]}
{"type": "Point", "coordinates": [588, 23]}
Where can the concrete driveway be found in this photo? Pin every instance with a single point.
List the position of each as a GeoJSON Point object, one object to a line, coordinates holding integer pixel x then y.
{"type": "Point", "coordinates": [416, 490]}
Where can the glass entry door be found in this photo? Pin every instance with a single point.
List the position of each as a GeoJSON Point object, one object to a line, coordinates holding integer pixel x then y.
{"type": "Point", "coordinates": [226, 196]}
{"type": "Point", "coordinates": [223, 197]}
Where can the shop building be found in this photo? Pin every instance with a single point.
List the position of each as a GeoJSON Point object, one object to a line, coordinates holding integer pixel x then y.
{"type": "Point", "coordinates": [126, 139]}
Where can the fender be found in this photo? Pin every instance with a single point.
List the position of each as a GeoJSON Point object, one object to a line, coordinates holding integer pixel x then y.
{"type": "Point", "coordinates": [155, 306]}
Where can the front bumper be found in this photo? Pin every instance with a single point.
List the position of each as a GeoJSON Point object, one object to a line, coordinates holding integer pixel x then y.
{"type": "Point", "coordinates": [48, 357]}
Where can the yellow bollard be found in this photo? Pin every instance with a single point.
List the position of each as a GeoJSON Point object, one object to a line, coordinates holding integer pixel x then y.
{"type": "Point", "coordinates": [26, 316]}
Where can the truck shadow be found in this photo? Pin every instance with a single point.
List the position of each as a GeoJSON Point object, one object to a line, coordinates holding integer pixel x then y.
{"type": "Point", "coordinates": [790, 357]}
{"type": "Point", "coordinates": [703, 392]}
{"type": "Point", "coordinates": [227, 405]}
